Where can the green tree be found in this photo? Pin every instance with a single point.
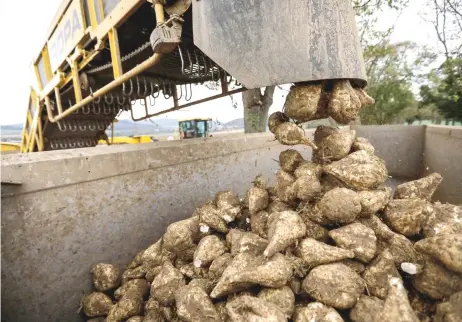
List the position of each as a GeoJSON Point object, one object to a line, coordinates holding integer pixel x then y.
{"type": "Point", "coordinates": [416, 112]}
{"type": "Point", "coordinates": [388, 71]}
{"type": "Point", "coordinates": [445, 89]}
{"type": "Point", "coordinates": [444, 84]}
{"type": "Point", "coordinates": [391, 70]}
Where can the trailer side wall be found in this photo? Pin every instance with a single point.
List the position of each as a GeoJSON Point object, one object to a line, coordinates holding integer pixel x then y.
{"type": "Point", "coordinates": [443, 154]}
{"type": "Point", "coordinates": [412, 152]}
{"type": "Point", "coordinates": [400, 146]}
{"type": "Point", "coordinates": [77, 208]}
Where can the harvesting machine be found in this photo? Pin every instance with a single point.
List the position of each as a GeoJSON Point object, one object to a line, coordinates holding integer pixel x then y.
{"type": "Point", "coordinates": [100, 57]}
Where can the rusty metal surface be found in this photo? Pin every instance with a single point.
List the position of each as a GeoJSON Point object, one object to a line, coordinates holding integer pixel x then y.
{"type": "Point", "coordinates": [270, 42]}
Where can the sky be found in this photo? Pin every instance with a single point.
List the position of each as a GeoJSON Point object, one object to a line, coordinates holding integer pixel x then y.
{"type": "Point", "coordinates": [23, 32]}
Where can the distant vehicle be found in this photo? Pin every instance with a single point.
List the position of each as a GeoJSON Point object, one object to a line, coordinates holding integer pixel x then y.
{"type": "Point", "coordinates": [194, 128]}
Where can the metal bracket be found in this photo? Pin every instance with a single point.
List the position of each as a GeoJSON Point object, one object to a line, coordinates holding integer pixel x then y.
{"type": "Point", "coordinates": [167, 36]}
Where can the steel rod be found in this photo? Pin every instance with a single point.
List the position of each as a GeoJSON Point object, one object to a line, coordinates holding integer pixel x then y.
{"type": "Point", "coordinates": [154, 59]}
{"type": "Point", "coordinates": [235, 91]}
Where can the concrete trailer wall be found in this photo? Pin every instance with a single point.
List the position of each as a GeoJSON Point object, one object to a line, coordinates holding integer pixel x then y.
{"type": "Point", "coordinates": [415, 151]}
{"type": "Point", "coordinates": [76, 208]}
{"type": "Point", "coordinates": [443, 154]}
{"type": "Point", "coordinates": [401, 147]}
{"type": "Point", "coordinates": [80, 207]}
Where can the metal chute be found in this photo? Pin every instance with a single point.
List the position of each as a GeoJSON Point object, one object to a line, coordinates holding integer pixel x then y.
{"type": "Point", "coordinates": [271, 42]}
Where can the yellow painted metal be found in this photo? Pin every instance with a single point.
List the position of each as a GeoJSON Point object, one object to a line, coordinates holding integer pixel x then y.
{"type": "Point", "coordinates": [88, 57]}
{"type": "Point", "coordinates": [29, 126]}
{"type": "Point", "coordinates": [39, 134]}
{"type": "Point", "coordinates": [25, 137]}
{"type": "Point", "coordinates": [92, 11]}
{"type": "Point", "coordinates": [58, 100]}
{"type": "Point", "coordinates": [118, 15]}
{"type": "Point", "coordinates": [32, 132]}
{"type": "Point", "coordinates": [68, 40]}
{"type": "Point", "coordinates": [84, 19]}
{"type": "Point", "coordinates": [112, 128]}
{"type": "Point", "coordinates": [99, 3]}
{"type": "Point", "coordinates": [76, 80]}
{"type": "Point", "coordinates": [99, 32]}
{"type": "Point", "coordinates": [33, 139]}
{"type": "Point", "coordinates": [37, 76]}
{"type": "Point", "coordinates": [46, 61]}
{"type": "Point", "coordinates": [25, 134]}
{"type": "Point", "coordinates": [56, 81]}
{"type": "Point", "coordinates": [9, 147]}
{"type": "Point", "coordinates": [154, 59]}
{"type": "Point", "coordinates": [74, 75]}
{"type": "Point", "coordinates": [29, 118]}
{"type": "Point", "coordinates": [69, 31]}
{"type": "Point", "coordinates": [159, 10]}
{"type": "Point", "coordinates": [127, 140]}
{"type": "Point", "coordinates": [115, 53]}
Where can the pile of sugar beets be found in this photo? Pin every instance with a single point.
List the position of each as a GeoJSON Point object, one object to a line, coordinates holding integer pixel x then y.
{"type": "Point", "coordinates": [327, 243]}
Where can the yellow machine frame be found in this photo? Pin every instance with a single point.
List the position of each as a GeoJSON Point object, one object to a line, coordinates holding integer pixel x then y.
{"type": "Point", "coordinates": [74, 54]}
{"type": "Point", "coordinates": [102, 29]}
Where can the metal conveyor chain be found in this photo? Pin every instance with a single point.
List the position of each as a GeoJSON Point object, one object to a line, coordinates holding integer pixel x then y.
{"type": "Point", "coordinates": [123, 59]}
